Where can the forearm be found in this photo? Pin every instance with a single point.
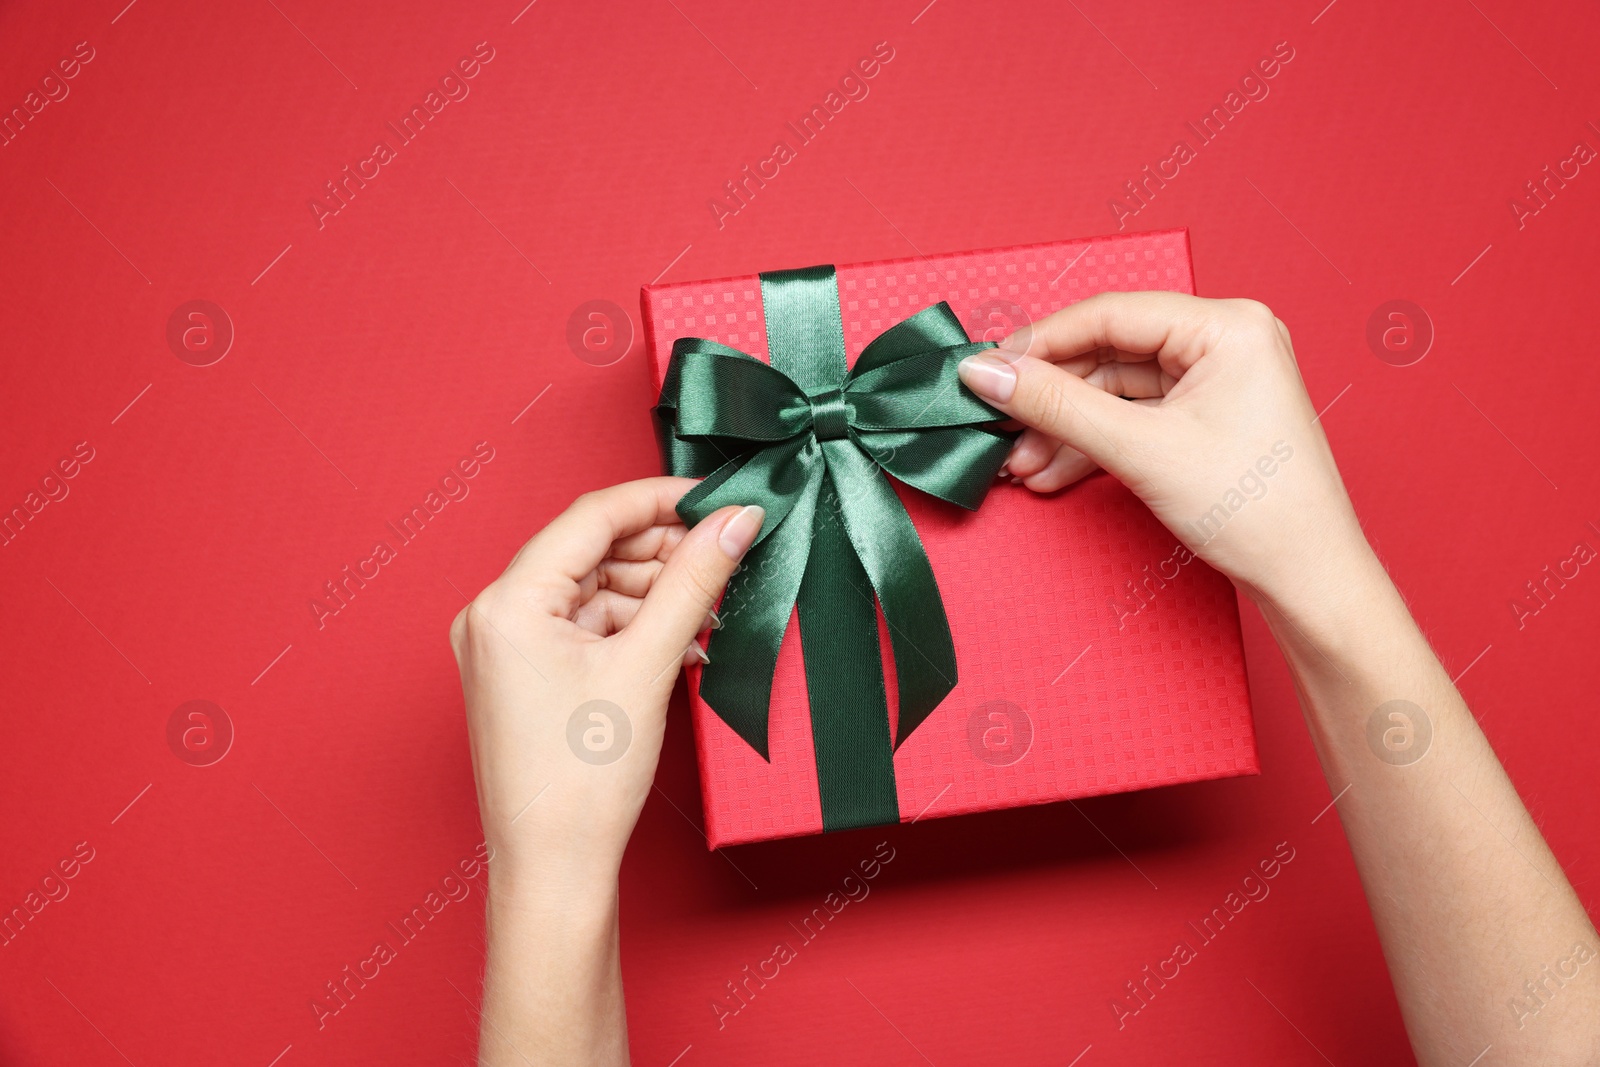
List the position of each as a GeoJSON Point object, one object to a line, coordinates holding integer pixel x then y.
{"type": "Point", "coordinates": [607, 598]}
{"type": "Point", "coordinates": [1469, 902]}
{"type": "Point", "coordinates": [553, 988]}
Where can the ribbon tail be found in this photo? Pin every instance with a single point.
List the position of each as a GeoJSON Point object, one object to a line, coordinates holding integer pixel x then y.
{"type": "Point", "coordinates": [737, 683]}
{"type": "Point", "coordinates": [844, 679]}
{"type": "Point", "coordinates": [897, 565]}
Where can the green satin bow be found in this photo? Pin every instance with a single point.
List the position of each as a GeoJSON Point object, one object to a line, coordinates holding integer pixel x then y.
{"type": "Point", "coordinates": [807, 439]}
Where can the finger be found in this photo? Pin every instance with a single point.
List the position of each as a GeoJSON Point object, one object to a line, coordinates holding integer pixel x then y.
{"type": "Point", "coordinates": [1068, 465]}
{"type": "Point", "coordinates": [1116, 373]}
{"type": "Point", "coordinates": [629, 577]}
{"type": "Point", "coordinates": [579, 538]}
{"type": "Point", "coordinates": [607, 612]}
{"type": "Point", "coordinates": [1134, 380]}
{"type": "Point", "coordinates": [690, 583]}
{"type": "Point", "coordinates": [654, 543]}
{"type": "Point", "coordinates": [1168, 325]}
{"type": "Point", "coordinates": [1032, 452]}
{"type": "Point", "coordinates": [1063, 406]}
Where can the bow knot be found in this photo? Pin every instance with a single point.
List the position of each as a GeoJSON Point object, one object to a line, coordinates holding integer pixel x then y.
{"type": "Point", "coordinates": [830, 415]}
{"type": "Point", "coordinates": [808, 438]}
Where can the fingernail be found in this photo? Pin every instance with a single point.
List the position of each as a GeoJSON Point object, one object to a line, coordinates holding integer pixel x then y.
{"type": "Point", "coordinates": [991, 378]}
{"type": "Point", "coordinates": [713, 621]}
{"type": "Point", "coordinates": [739, 532]}
{"type": "Point", "coordinates": [697, 652]}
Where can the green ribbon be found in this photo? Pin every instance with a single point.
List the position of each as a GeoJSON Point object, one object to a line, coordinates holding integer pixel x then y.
{"type": "Point", "coordinates": [808, 439]}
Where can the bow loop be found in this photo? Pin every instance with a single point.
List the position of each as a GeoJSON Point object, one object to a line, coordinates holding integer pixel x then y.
{"type": "Point", "coordinates": [755, 402]}
{"type": "Point", "coordinates": [920, 390]}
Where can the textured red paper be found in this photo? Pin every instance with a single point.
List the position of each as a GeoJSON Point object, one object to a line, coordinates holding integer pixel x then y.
{"type": "Point", "coordinates": [1115, 700]}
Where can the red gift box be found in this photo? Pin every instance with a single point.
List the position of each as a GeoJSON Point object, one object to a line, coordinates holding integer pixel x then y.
{"type": "Point", "coordinates": [1096, 655]}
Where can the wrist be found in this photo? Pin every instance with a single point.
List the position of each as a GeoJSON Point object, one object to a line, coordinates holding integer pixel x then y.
{"type": "Point", "coordinates": [1339, 612]}
{"type": "Point", "coordinates": [1330, 576]}
{"type": "Point", "coordinates": [569, 887]}
{"type": "Point", "coordinates": [582, 919]}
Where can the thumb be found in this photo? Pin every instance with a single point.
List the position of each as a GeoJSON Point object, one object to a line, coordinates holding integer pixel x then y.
{"type": "Point", "coordinates": [692, 579]}
{"type": "Point", "coordinates": [1059, 403]}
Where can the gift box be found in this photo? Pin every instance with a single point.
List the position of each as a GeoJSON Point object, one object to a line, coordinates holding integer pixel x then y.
{"type": "Point", "coordinates": [1071, 646]}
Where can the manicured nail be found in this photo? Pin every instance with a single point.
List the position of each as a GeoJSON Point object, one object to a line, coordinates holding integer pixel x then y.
{"type": "Point", "coordinates": [989, 377]}
{"type": "Point", "coordinates": [699, 653]}
{"type": "Point", "coordinates": [740, 531]}
{"type": "Point", "coordinates": [713, 621]}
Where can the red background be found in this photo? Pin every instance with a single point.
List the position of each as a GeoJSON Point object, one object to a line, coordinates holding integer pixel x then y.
{"type": "Point", "coordinates": [372, 354]}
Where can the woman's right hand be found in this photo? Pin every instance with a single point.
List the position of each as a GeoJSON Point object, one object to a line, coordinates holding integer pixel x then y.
{"type": "Point", "coordinates": [1217, 435]}
{"type": "Point", "coordinates": [1222, 442]}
